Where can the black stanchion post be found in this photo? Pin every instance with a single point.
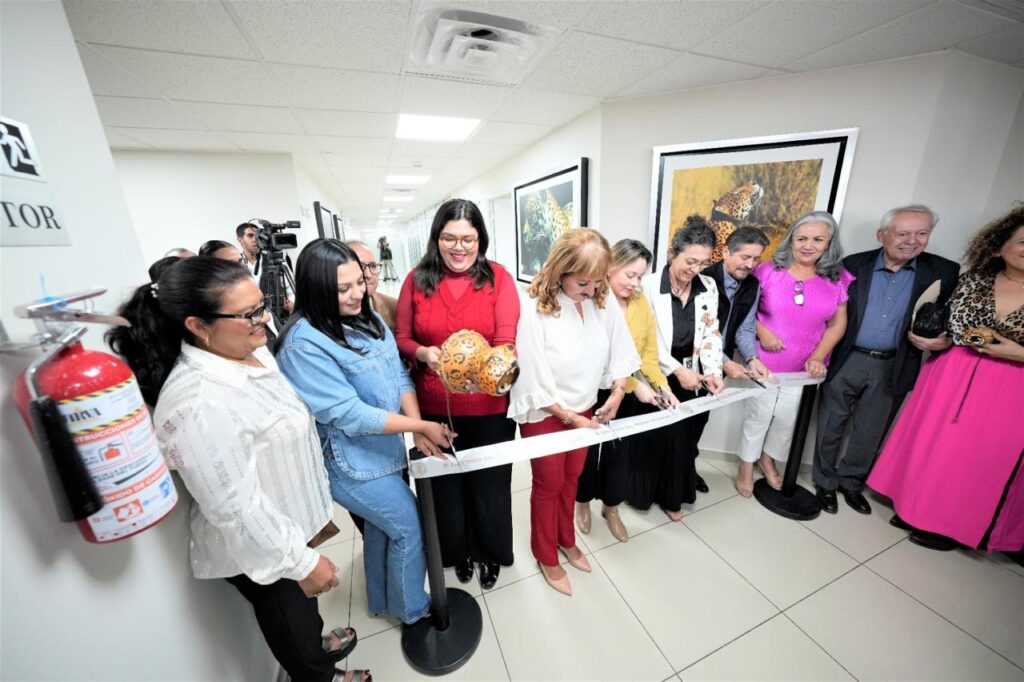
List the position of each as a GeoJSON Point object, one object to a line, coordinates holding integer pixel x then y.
{"type": "Point", "coordinates": [793, 501]}
{"type": "Point", "coordinates": [444, 642]}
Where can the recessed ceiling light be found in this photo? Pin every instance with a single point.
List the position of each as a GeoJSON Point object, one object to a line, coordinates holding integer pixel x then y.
{"type": "Point", "coordinates": [406, 179]}
{"type": "Point", "coordinates": [396, 200]}
{"type": "Point", "coordinates": [435, 128]}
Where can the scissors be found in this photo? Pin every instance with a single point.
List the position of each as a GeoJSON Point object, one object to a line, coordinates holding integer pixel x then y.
{"type": "Point", "coordinates": [750, 375]}
{"type": "Point", "coordinates": [451, 441]}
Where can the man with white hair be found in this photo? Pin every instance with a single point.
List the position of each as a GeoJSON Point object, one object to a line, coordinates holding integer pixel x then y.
{"type": "Point", "coordinates": [876, 362]}
{"type": "Point", "coordinates": [383, 304]}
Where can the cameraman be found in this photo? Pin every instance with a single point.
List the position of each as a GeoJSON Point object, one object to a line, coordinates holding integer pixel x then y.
{"type": "Point", "coordinates": [248, 239]}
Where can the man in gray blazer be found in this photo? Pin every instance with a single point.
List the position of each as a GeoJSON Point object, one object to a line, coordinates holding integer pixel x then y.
{"type": "Point", "coordinates": [877, 361]}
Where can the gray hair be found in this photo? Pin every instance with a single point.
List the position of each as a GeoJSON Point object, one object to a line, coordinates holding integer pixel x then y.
{"type": "Point", "coordinates": [891, 214]}
{"type": "Point", "coordinates": [626, 251]}
{"type": "Point", "coordinates": [356, 242]}
{"type": "Point", "coordinates": [830, 264]}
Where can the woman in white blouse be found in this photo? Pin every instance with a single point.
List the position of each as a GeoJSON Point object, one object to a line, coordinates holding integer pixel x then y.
{"type": "Point", "coordinates": [246, 448]}
{"type": "Point", "coordinates": [570, 343]}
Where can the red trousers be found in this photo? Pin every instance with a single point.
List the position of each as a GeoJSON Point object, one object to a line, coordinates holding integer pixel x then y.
{"type": "Point", "coordinates": [553, 496]}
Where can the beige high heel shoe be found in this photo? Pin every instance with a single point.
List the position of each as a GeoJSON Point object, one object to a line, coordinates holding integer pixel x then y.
{"type": "Point", "coordinates": [560, 585]}
{"type": "Point", "coordinates": [580, 562]}
{"type": "Point", "coordinates": [771, 474]}
{"type": "Point", "coordinates": [583, 517]}
{"type": "Point", "coordinates": [615, 525]}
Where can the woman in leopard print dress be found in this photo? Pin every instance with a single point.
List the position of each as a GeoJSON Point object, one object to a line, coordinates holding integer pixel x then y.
{"type": "Point", "coordinates": [953, 463]}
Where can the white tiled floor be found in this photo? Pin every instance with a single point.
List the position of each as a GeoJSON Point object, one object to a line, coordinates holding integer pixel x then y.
{"type": "Point", "coordinates": [733, 592]}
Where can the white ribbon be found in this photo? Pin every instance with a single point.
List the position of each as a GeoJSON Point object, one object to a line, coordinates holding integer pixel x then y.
{"type": "Point", "coordinates": [525, 449]}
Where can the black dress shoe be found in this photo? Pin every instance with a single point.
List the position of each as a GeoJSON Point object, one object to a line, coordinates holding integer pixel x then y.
{"type": "Point", "coordinates": [701, 485]}
{"type": "Point", "coordinates": [900, 523]}
{"type": "Point", "coordinates": [827, 498]}
{"type": "Point", "coordinates": [939, 543]}
{"type": "Point", "coordinates": [489, 574]}
{"type": "Point", "coordinates": [856, 500]}
{"type": "Point", "coordinates": [464, 570]}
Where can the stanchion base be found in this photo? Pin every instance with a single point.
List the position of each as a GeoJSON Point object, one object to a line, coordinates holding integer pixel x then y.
{"type": "Point", "coordinates": [433, 652]}
{"type": "Point", "coordinates": [802, 505]}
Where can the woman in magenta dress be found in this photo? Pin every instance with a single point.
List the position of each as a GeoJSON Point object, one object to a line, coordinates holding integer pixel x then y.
{"type": "Point", "coordinates": [952, 464]}
{"type": "Point", "coordinates": [800, 319]}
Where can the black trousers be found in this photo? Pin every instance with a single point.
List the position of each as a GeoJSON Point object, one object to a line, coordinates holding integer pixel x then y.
{"type": "Point", "coordinates": [474, 509]}
{"type": "Point", "coordinates": [605, 474]}
{"type": "Point", "coordinates": [292, 626]}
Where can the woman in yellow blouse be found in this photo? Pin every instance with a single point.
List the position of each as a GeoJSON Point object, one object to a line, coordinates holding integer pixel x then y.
{"type": "Point", "coordinates": [606, 472]}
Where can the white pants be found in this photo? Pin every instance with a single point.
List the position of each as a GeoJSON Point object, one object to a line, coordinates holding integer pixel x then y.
{"type": "Point", "coordinates": [768, 422]}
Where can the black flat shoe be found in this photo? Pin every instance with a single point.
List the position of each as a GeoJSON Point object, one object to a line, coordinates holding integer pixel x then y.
{"type": "Point", "coordinates": [900, 523]}
{"type": "Point", "coordinates": [489, 574]}
{"type": "Point", "coordinates": [940, 543]}
{"type": "Point", "coordinates": [464, 570]}
{"type": "Point", "coordinates": [827, 498]}
{"type": "Point", "coordinates": [856, 500]}
{"type": "Point", "coordinates": [701, 485]}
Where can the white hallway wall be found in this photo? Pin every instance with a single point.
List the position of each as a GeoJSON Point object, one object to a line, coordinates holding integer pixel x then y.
{"type": "Point", "coordinates": [73, 610]}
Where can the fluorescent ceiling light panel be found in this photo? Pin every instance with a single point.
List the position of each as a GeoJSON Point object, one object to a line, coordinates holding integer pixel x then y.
{"type": "Point", "coordinates": [396, 200]}
{"type": "Point", "coordinates": [406, 179]}
{"type": "Point", "coordinates": [435, 128]}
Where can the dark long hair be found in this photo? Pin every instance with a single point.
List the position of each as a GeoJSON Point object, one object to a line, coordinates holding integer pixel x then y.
{"type": "Point", "coordinates": [190, 287]}
{"type": "Point", "coordinates": [316, 294]}
{"type": "Point", "coordinates": [213, 246]}
{"type": "Point", "coordinates": [982, 254]}
{"type": "Point", "coordinates": [427, 275]}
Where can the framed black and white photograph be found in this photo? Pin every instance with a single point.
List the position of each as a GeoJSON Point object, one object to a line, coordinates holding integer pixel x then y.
{"type": "Point", "coordinates": [764, 181]}
{"type": "Point", "coordinates": [545, 209]}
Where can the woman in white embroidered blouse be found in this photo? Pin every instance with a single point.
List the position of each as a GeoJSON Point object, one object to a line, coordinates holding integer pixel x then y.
{"type": "Point", "coordinates": [570, 343]}
{"type": "Point", "coordinates": [246, 448]}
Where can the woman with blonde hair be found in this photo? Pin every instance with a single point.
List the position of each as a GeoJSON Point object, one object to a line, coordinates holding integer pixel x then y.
{"type": "Point", "coordinates": [571, 343]}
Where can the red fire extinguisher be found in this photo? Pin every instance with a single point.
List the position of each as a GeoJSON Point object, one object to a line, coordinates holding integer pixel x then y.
{"type": "Point", "coordinates": [93, 429]}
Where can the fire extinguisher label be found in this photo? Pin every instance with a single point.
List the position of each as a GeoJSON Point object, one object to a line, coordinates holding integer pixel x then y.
{"type": "Point", "coordinates": [117, 442]}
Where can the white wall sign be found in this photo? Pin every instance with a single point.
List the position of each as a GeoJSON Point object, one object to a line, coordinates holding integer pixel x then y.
{"type": "Point", "coordinates": [28, 212]}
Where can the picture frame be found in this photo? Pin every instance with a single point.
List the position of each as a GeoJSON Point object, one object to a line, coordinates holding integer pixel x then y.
{"type": "Point", "coordinates": [324, 221]}
{"type": "Point", "coordinates": [544, 209]}
{"type": "Point", "coordinates": [767, 181]}
{"type": "Point", "coordinates": [338, 228]}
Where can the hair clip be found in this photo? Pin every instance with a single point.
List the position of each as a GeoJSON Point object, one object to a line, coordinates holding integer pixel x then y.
{"type": "Point", "coordinates": [153, 289]}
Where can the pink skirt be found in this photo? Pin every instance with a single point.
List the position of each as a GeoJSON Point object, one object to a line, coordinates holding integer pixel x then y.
{"type": "Point", "coordinates": [952, 464]}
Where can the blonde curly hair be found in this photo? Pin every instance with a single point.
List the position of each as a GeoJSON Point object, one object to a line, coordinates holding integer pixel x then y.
{"type": "Point", "coordinates": [583, 253]}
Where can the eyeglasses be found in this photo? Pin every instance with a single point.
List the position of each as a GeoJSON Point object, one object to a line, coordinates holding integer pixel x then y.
{"type": "Point", "coordinates": [254, 317]}
{"type": "Point", "coordinates": [372, 267]}
{"type": "Point", "coordinates": [449, 241]}
{"type": "Point", "coordinates": [798, 293]}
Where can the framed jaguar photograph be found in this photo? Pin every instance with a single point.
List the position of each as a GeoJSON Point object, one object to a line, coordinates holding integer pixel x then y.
{"type": "Point", "coordinates": [545, 209]}
{"type": "Point", "coordinates": [767, 182]}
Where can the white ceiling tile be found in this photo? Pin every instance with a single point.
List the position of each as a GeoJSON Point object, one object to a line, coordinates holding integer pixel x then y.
{"type": "Point", "coordinates": [107, 78]}
{"type": "Point", "coordinates": [356, 160]}
{"type": "Point", "coordinates": [429, 149]}
{"type": "Point", "coordinates": [691, 71]}
{"type": "Point", "coordinates": [355, 35]}
{"type": "Point", "coordinates": [440, 97]}
{"type": "Point", "coordinates": [192, 26]}
{"type": "Point", "coordinates": [511, 133]}
{"type": "Point", "coordinates": [678, 24]}
{"type": "Point", "coordinates": [586, 64]}
{"type": "Point", "coordinates": [935, 27]}
{"type": "Point", "coordinates": [196, 140]}
{"type": "Point", "coordinates": [357, 173]}
{"type": "Point", "coordinates": [242, 118]}
{"type": "Point", "coordinates": [317, 88]}
{"type": "Point", "coordinates": [785, 31]}
{"type": "Point", "coordinates": [199, 79]}
{"type": "Point", "coordinates": [128, 112]}
{"type": "Point", "coordinates": [269, 142]}
{"type": "Point", "coordinates": [354, 145]}
{"type": "Point", "coordinates": [351, 123]}
{"type": "Point", "coordinates": [488, 150]}
{"type": "Point", "coordinates": [1006, 46]}
{"type": "Point", "coordinates": [121, 139]}
{"type": "Point", "coordinates": [543, 108]}
{"type": "Point", "coordinates": [562, 15]}
{"type": "Point", "coordinates": [406, 163]}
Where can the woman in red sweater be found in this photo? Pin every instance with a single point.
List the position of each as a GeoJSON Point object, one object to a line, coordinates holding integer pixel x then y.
{"type": "Point", "coordinates": [455, 287]}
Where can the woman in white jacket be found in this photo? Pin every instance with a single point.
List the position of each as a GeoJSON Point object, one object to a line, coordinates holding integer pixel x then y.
{"type": "Point", "coordinates": [690, 353]}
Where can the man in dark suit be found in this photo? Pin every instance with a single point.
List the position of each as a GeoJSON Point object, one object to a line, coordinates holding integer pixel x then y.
{"type": "Point", "coordinates": [877, 361]}
{"type": "Point", "coordinates": [738, 293]}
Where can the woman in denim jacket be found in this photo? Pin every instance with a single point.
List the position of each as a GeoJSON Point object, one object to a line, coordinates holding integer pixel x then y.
{"type": "Point", "coordinates": [343, 362]}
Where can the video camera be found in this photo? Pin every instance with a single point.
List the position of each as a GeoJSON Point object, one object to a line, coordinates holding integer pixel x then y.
{"type": "Point", "coordinates": [270, 237]}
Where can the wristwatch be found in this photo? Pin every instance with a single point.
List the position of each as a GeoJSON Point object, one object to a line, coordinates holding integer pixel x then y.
{"type": "Point", "coordinates": [750, 359]}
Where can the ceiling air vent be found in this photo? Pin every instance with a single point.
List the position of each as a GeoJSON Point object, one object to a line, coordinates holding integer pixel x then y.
{"type": "Point", "coordinates": [473, 46]}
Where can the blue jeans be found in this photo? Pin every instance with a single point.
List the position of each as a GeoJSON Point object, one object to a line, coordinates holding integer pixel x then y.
{"type": "Point", "coordinates": [393, 554]}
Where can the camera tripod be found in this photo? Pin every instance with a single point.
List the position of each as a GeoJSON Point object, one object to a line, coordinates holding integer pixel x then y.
{"type": "Point", "coordinates": [275, 282]}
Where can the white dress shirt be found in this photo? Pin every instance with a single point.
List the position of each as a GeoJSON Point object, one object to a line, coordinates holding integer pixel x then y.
{"type": "Point", "coordinates": [564, 359]}
{"type": "Point", "coordinates": [246, 447]}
